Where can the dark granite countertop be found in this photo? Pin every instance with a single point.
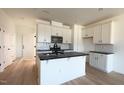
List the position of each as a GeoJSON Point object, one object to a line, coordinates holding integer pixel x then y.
{"type": "Point", "coordinates": [50, 50]}
{"type": "Point", "coordinates": [106, 53]}
{"type": "Point", "coordinates": [46, 56]}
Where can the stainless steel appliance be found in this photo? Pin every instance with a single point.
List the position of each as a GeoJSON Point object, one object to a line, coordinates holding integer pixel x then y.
{"type": "Point", "coordinates": [56, 39]}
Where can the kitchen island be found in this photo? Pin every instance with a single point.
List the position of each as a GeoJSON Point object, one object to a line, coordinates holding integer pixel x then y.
{"type": "Point", "coordinates": [58, 69]}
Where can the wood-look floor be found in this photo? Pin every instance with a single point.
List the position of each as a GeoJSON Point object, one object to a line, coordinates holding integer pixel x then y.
{"type": "Point", "coordinates": [96, 77]}
{"type": "Point", "coordinates": [25, 73]}
{"type": "Point", "coordinates": [19, 73]}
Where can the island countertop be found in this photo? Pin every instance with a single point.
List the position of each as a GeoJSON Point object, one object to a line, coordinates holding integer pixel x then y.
{"type": "Point", "coordinates": [46, 56]}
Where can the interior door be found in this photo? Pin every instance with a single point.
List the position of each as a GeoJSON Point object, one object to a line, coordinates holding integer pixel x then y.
{"type": "Point", "coordinates": [29, 45]}
{"type": "Point", "coordinates": [1, 48]}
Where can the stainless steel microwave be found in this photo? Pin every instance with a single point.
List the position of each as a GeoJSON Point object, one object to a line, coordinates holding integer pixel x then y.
{"type": "Point", "coordinates": [56, 39]}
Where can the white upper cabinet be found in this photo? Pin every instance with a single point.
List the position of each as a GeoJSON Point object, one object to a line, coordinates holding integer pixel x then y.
{"type": "Point", "coordinates": [97, 34]}
{"type": "Point", "coordinates": [44, 33]}
{"type": "Point", "coordinates": [87, 32]}
{"type": "Point", "coordinates": [106, 33]}
{"type": "Point", "coordinates": [103, 33]}
{"type": "Point", "coordinates": [67, 34]}
{"type": "Point", "coordinates": [57, 31]}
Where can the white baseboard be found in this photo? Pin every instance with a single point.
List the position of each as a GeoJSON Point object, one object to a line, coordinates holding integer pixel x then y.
{"type": "Point", "coordinates": [1, 70]}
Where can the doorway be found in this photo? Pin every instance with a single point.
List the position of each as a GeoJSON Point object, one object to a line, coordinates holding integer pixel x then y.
{"type": "Point", "coordinates": [26, 42]}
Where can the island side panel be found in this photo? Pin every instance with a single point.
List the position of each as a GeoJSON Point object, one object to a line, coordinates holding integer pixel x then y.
{"type": "Point", "coordinates": [58, 71]}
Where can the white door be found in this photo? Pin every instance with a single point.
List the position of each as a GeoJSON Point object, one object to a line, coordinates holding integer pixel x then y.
{"type": "Point", "coordinates": [1, 48]}
{"type": "Point", "coordinates": [29, 45]}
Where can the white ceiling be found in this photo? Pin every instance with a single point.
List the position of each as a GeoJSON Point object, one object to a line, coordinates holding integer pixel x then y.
{"type": "Point", "coordinates": [69, 16]}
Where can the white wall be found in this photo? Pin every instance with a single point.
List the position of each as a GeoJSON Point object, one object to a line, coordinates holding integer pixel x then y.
{"type": "Point", "coordinates": [7, 24]}
{"type": "Point", "coordinates": [119, 44]}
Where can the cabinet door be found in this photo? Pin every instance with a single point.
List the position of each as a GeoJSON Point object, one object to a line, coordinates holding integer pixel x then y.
{"type": "Point", "coordinates": [67, 36]}
{"type": "Point", "coordinates": [106, 33]}
{"type": "Point", "coordinates": [102, 62]}
{"type": "Point", "coordinates": [92, 59]}
{"type": "Point", "coordinates": [97, 38]}
{"type": "Point", "coordinates": [44, 33]}
{"type": "Point", "coordinates": [57, 31]}
{"type": "Point", "coordinates": [1, 49]}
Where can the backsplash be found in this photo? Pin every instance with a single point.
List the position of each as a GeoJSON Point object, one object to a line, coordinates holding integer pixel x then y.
{"type": "Point", "coordinates": [104, 48]}
{"type": "Point", "coordinates": [45, 46]}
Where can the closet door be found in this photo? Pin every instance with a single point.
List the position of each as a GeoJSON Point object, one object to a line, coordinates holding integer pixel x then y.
{"type": "Point", "coordinates": [2, 50]}
{"type": "Point", "coordinates": [1, 58]}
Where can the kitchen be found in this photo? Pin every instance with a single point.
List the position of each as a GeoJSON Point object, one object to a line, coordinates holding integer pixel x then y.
{"type": "Point", "coordinates": [70, 49]}
{"type": "Point", "coordinates": [63, 37]}
{"type": "Point", "coordinates": [55, 63]}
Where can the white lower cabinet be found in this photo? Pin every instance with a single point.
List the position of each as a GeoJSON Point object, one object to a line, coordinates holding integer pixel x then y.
{"type": "Point", "coordinates": [102, 61]}
{"type": "Point", "coordinates": [59, 71]}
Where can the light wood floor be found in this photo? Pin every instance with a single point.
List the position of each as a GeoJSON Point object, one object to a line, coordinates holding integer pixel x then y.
{"type": "Point", "coordinates": [96, 77]}
{"type": "Point", "coordinates": [25, 73]}
{"type": "Point", "coordinates": [19, 73]}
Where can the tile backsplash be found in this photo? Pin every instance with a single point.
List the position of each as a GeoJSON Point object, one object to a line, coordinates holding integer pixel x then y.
{"type": "Point", "coordinates": [45, 46]}
{"type": "Point", "coordinates": [104, 48]}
